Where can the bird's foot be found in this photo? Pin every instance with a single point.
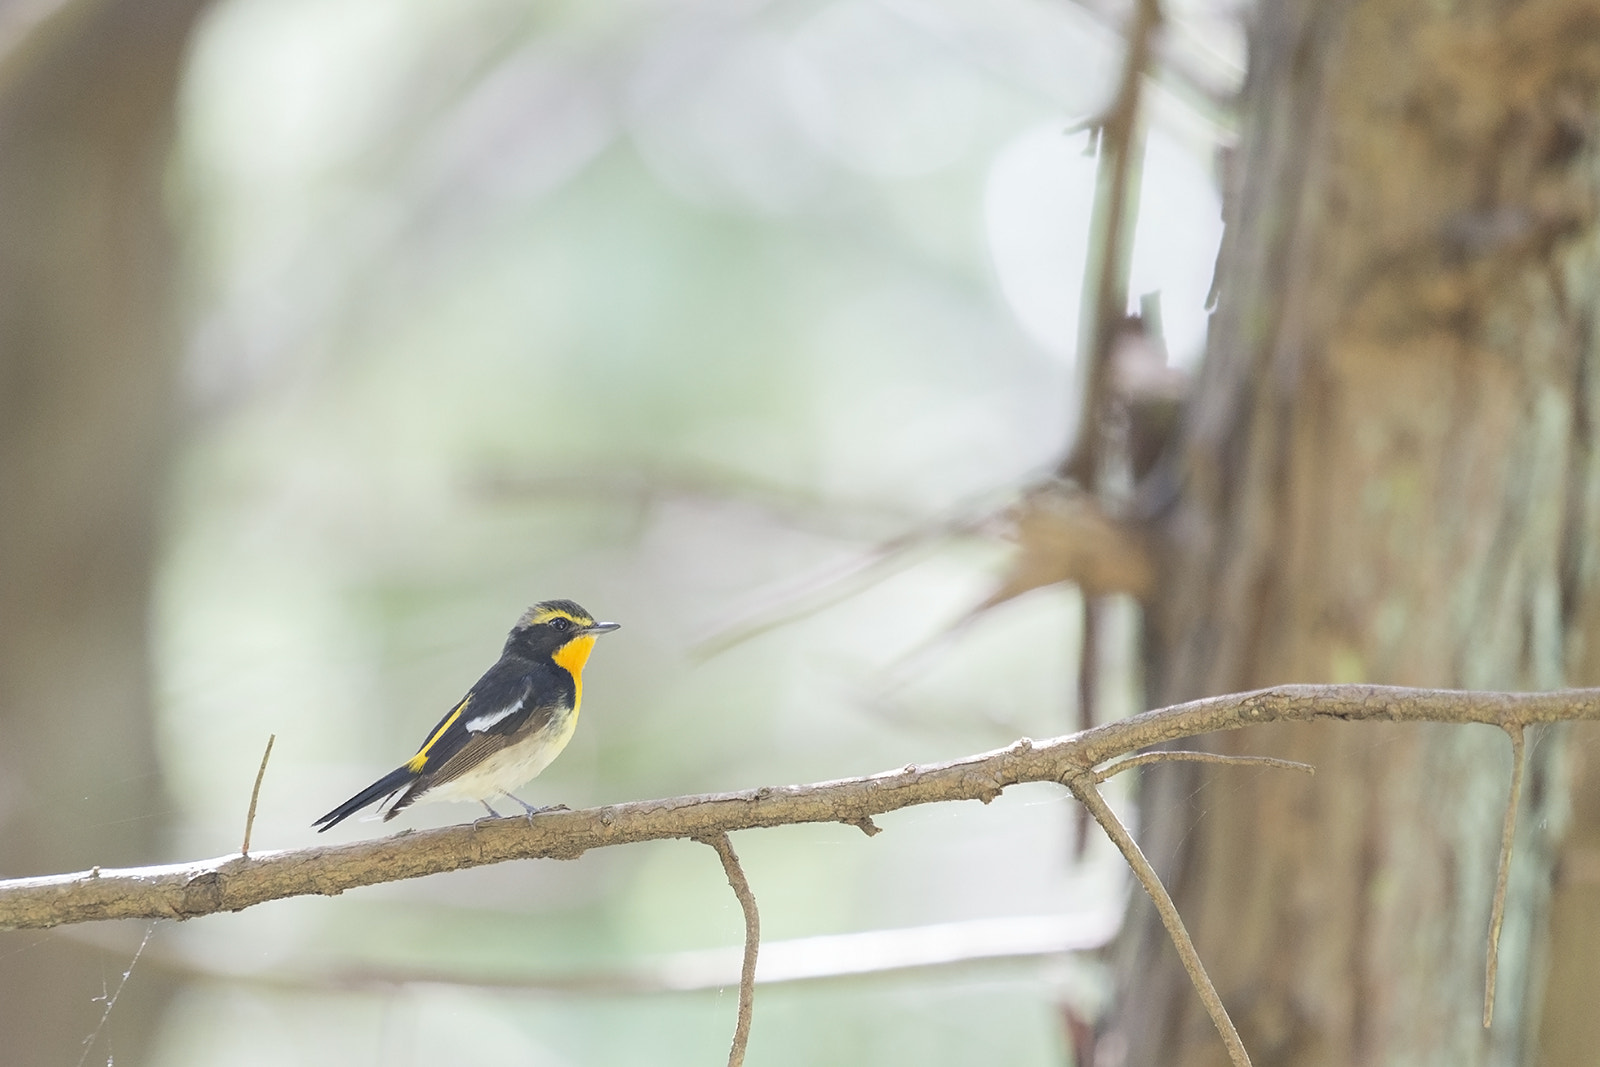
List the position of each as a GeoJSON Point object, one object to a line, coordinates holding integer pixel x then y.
{"type": "Point", "coordinates": [532, 810]}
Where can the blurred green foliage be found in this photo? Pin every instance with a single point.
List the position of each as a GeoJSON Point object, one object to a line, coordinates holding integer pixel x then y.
{"type": "Point", "coordinates": [672, 309]}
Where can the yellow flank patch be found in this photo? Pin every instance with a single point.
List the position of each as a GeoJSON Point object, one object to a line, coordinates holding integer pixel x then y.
{"type": "Point", "coordinates": [571, 657]}
{"type": "Point", "coordinates": [420, 760]}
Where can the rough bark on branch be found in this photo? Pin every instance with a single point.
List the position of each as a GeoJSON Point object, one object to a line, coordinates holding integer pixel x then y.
{"type": "Point", "coordinates": [232, 883]}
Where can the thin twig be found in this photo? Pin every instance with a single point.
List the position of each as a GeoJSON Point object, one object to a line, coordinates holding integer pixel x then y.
{"type": "Point", "coordinates": [255, 794]}
{"type": "Point", "coordinates": [823, 589]}
{"type": "Point", "coordinates": [752, 943]}
{"type": "Point", "coordinates": [821, 958]}
{"type": "Point", "coordinates": [1093, 615]}
{"type": "Point", "coordinates": [1104, 302]}
{"type": "Point", "coordinates": [1169, 755]}
{"type": "Point", "coordinates": [837, 582]}
{"type": "Point", "coordinates": [1508, 832]}
{"type": "Point", "coordinates": [651, 485]}
{"type": "Point", "coordinates": [1200, 80]}
{"type": "Point", "coordinates": [1105, 291]}
{"type": "Point", "coordinates": [1082, 784]}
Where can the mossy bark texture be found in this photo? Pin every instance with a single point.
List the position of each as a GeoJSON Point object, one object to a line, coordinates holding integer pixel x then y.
{"type": "Point", "coordinates": [1388, 475]}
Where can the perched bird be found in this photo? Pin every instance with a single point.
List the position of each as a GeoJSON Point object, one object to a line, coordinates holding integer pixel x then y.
{"type": "Point", "coordinates": [510, 725]}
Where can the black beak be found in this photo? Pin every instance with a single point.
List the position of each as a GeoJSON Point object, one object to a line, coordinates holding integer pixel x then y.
{"type": "Point", "coordinates": [601, 627]}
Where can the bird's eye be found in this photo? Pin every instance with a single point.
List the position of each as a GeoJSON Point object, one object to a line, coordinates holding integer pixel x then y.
{"type": "Point", "coordinates": [560, 625]}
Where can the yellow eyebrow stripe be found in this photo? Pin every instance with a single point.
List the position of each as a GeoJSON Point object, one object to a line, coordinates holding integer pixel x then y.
{"type": "Point", "coordinates": [420, 760]}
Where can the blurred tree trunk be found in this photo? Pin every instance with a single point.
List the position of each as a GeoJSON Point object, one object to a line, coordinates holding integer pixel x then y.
{"type": "Point", "coordinates": [1570, 1027]}
{"type": "Point", "coordinates": [1389, 474]}
{"type": "Point", "coordinates": [87, 354]}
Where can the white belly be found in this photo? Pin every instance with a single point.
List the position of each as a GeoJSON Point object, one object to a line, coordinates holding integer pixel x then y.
{"type": "Point", "coordinates": [510, 768]}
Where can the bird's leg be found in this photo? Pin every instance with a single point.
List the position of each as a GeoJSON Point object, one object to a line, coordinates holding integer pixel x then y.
{"type": "Point", "coordinates": [532, 811]}
{"type": "Point", "coordinates": [492, 813]}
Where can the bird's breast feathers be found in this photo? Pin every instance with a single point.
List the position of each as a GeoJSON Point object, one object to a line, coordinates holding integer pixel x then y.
{"type": "Point", "coordinates": [513, 766]}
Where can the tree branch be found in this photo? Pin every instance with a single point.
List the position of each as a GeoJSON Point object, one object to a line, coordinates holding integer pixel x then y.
{"type": "Point", "coordinates": [752, 942]}
{"type": "Point", "coordinates": [232, 883]}
{"type": "Point", "coordinates": [255, 795]}
{"type": "Point", "coordinates": [1185, 756]}
{"type": "Point", "coordinates": [1105, 290]}
{"type": "Point", "coordinates": [1508, 833]}
{"type": "Point", "coordinates": [817, 958]}
{"type": "Point", "coordinates": [1082, 784]}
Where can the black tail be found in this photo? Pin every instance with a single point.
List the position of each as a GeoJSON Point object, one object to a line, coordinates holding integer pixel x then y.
{"type": "Point", "coordinates": [392, 782]}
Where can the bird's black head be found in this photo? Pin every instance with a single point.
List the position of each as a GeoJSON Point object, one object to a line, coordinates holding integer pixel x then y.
{"type": "Point", "coordinates": [559, 629]}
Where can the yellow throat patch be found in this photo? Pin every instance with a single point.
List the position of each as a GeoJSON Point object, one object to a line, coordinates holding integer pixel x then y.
{"type": "Point", "coordinates": [571, 657]}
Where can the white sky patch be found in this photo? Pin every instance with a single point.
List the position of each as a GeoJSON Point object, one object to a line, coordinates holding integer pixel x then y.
{"type": "Point", "coordinates": [1036, 208]}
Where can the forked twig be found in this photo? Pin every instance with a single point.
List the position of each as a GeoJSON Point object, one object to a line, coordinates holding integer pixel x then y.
{"type": "Point", "coordinates": [1082, 784]}
{"type": "Point", "coordinates": [1508, 833]}
{"type": "Point", "coordinates": [752, 942]}
{"type": "Point", "coordinates": [1169, 755]}
{"type": "Point", "coordinates": [255, 795]}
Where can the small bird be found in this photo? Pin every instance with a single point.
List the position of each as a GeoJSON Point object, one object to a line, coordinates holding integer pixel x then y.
{"type": "Point", "coordinates": [510, 725]}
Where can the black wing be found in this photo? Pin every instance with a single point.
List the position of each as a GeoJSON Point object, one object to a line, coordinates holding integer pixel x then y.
{"type": "Point", "coordinates": [499, 707]}
{"type": "Point", "coordinates": [512, 700]}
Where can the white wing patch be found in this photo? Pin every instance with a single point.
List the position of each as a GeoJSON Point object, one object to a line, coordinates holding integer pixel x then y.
{"type": "Point", "coordinates": [483, 722]}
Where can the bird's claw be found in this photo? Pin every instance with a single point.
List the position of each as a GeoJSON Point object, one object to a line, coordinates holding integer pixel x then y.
{"type": "Point", "coordinates": [532, 810]}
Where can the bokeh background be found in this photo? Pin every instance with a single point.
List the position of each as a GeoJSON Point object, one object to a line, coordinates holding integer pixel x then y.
{"type": "Point", "coordinates": [678, 310]}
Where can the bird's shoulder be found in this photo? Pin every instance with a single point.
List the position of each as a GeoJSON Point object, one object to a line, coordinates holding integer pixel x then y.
{"type": "Point", "coordinates": [517, 695]}
{"type": "Point", "coordinates": [515, 691]}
